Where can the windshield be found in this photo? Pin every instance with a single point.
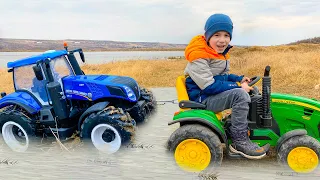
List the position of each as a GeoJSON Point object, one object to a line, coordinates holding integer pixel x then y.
{"type": "Point", "coordinates": [60, 68]}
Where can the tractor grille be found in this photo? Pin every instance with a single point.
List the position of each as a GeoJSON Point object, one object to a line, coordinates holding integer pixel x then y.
{"type": "Point", "coordinates": [117, 91]}
{"type": "Point", "coordinates": [128, 82]}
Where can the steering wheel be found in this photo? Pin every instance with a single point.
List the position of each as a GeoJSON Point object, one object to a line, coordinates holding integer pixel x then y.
{"type": "Point", "coordinates": [254, 80]}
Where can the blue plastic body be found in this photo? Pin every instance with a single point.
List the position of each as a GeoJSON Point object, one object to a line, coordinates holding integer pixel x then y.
{"type": "Point", "coordinates": [34, 59]}
{"type": "Point", "coordinates": [92, 87]}
{"type": "Point", "coordinates": [23, 99]}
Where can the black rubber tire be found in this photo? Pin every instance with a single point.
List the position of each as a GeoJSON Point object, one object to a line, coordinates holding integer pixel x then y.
{"type": "Point", "coordinates": [148, 96]}
{"type": "Point", "coordinates": [107, 116]}
{"type": "Point", "coordinates": [288, 135]}
{"type": "Point", "coordinates": [24, 121]}
{"type": "Point", "coordinates": [197, 131]}
{"type": "Point", "coordinates": [297, 141]}
{"type": "Point", "coordinates": [149, 106]}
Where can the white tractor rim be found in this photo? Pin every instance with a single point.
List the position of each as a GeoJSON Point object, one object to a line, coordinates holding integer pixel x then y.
{"type": "Point", "coordinates": [100, 144]}
{"type": "Point", "coordinates": [10, 139]}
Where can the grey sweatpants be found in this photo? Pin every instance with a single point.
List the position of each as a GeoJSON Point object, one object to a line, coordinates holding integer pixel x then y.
{"type": "Point", "coordinates": [237, 99]}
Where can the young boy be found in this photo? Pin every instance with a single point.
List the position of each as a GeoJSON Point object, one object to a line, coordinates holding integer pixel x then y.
{"type": "Point", "coordinates": [210, 83]}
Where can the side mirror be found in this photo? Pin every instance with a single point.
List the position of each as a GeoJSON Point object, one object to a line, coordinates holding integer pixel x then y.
{"type": "Point", "coordinates": [82, 56]}
{"type": "Point", "coordinates": [3, 94]}
{"type": "Point", "coordinates": [37, 71]}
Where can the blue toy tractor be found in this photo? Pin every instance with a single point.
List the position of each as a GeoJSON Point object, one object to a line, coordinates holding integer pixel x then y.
{"type": "Point", "coordinates": [54, 96]}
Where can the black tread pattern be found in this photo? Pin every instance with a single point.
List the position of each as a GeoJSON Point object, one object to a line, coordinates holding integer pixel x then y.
{"type": "Point", "coordinates": [297, 141]}
{"type": "Point", "coordinates": [148, 108]}
{"type": "Point", "coordinates": [148, 96]}
{"type": "Point", "coordinates": [17, 115]}
{"type": "Point", "coordinates": [112, 116]}
{"type": "Point", "coordinates": [196, 131]}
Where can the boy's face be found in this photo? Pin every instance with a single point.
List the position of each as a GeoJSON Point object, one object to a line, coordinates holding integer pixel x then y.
{"type": "Point", "coordinates": [219, 41]}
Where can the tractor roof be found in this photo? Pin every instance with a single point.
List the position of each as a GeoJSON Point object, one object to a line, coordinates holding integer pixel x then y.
{"type": "Point", "coordinates": [33, 59]}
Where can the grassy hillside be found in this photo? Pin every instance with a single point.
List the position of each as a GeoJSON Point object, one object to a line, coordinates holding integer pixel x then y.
{"type": "Point", "coordinates": [18, 45]}
{"type": "Point", "coordinates": [315, 40]}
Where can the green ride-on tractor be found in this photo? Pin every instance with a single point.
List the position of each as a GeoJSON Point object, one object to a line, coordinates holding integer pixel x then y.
{"type": "Point", "coordinates": [290, 124]}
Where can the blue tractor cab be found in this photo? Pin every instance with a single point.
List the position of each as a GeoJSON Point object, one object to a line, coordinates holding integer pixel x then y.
{"type": "Point", "coordinates": [52, 92]}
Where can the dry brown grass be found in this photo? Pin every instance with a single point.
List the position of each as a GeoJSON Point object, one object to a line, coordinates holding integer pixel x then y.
{"type": "Point", "coordinates": [6, 81]}
{"type": "Point", "coordinates": [148, 73]}
{"type": "Point", "coordinates": [294, 68]}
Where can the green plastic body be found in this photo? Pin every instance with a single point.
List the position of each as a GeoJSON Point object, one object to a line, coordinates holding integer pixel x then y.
{"type": "Point", "coordinates": [295, 112]}
{"type": "Point", "coordinates": [203, 114]}
{"type": "Point", "coordinates": [290, 112]}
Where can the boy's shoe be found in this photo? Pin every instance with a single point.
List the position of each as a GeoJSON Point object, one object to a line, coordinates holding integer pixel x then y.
{"type": "Point", "coordinates": [243, 145]}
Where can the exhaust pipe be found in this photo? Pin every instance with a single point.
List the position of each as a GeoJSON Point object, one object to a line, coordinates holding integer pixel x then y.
{"type": "Point", "coordinates": [266, 118]}
{"type": "Point", "coordinates": [55, 91]}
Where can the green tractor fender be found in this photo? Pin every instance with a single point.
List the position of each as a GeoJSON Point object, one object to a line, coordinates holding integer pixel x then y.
{"type": "Point", "coordinates": [288, 135]}
{"type": "Point", "coordinates": [203, 117]}
{"type": "Point", "coordinates": [203, 122]}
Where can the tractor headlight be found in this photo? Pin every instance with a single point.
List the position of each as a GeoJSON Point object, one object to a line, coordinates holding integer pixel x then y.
{"type": "Point", "coordinates": [130, 93]}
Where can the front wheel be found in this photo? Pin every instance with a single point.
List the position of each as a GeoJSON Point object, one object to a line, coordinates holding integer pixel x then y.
{"type": "Point", "coordinates": [148, 96]}
{"type": "Point", "coordinates": [145, 107]}
{"type": "Point", "coordinates": [300, 153]}
{"type": "Point", "coordinates": [195, 148]}
{"type": "Point", "coordinates": [108, 129]}
{"type": "Point", "coordinates": [106, 138]}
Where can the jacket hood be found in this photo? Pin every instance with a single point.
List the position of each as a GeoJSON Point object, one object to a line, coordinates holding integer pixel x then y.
{"type": "Point", "coordinates": [198, 48]}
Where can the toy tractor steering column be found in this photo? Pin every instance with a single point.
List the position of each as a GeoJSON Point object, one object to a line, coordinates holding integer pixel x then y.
{"type": "Point", "coordinates": [254, 80]}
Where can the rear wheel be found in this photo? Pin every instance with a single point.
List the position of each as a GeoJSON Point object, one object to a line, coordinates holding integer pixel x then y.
{"type": "Point", "coordinates": [17, 130]}
{"type": "Point", "coordinates": [300, 153]}
{"type": "Point", "coordinates": [195, 148]}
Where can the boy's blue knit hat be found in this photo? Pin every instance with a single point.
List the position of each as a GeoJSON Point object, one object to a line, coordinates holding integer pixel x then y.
{"type": "Point", "coordinates": [218, 22]}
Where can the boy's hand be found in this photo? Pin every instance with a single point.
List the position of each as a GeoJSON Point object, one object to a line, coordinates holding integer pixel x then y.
{"type": "Point", "coordinates": [245, 79]}
{"type": "Point", "coordinates": [246, 87]}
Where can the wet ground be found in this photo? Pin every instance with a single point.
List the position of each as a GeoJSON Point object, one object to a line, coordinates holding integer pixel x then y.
{"type": "Point", "coordinates": [145, 158]}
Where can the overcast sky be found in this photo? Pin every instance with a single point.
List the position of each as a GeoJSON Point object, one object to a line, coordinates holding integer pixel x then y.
{"type": "Point", "coordinates": [256, 22]}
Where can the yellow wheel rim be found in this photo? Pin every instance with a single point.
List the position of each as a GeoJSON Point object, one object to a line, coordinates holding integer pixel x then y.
{"type": "Point", "coordinates": [192, 155]}
{"type": "Point", "coordinates": [303, 160]}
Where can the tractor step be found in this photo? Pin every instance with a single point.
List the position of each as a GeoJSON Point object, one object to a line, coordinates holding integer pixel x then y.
{"type": "Point", "coordinates": [64, 133]}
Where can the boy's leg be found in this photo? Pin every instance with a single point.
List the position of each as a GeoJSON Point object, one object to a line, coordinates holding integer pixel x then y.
{"type": "Point", "coordinates": [237, 99]}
